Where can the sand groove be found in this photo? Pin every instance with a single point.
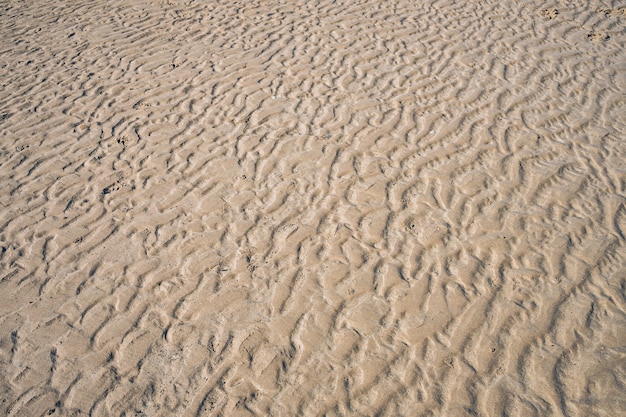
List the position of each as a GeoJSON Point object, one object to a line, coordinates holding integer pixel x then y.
{"type": "Point", "coordinates": [312, 208]}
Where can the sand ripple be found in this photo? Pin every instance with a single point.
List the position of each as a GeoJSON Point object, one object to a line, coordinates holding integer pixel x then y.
{"type": "Point", "coordinates": [390, 208]}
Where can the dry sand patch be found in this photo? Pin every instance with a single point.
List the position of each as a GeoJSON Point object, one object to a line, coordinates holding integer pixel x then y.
{"type": "Point", "coordinates": [312, 208]}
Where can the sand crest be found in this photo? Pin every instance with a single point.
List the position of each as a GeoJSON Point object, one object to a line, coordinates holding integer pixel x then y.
{"type": "Point", "coordinates": [312, 208]}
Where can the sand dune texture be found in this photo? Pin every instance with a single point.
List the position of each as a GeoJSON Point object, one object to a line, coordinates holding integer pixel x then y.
{"type": "Point", "coordinates": [308, 208]}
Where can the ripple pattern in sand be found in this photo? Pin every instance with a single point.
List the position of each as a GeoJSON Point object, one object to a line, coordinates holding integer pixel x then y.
{"type": "Point", "coordinates": [312, 208]}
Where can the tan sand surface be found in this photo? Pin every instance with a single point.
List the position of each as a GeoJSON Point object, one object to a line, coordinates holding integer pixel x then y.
{"type": "Point", "coordinates": [312, 208]}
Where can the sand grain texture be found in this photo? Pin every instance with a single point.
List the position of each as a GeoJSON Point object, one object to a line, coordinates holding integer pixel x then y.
{"type": "Point", "coordinates": [339, 208]}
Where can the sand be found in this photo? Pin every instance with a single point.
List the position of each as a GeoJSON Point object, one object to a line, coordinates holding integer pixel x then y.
{"type": "Point", "coordinates": [312, 208]}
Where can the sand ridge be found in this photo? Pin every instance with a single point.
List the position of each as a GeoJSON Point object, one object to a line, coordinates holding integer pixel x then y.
{"type": "Point", "coordinates": [312, 208]}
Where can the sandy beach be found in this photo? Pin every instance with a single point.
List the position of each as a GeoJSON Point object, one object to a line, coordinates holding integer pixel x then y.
{"type": "Point", "coordinates": [312, 208]}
